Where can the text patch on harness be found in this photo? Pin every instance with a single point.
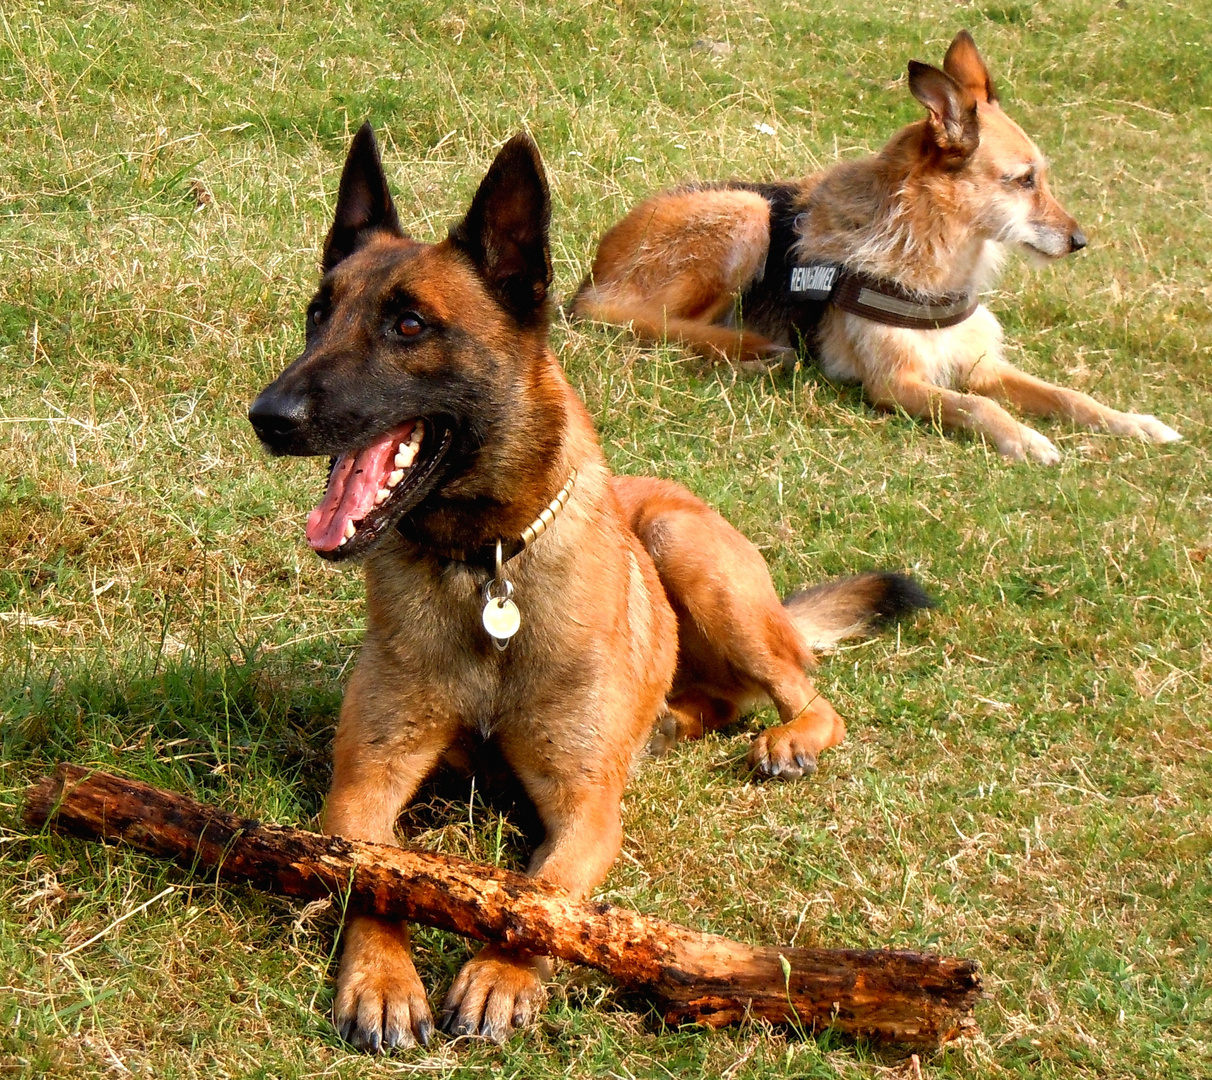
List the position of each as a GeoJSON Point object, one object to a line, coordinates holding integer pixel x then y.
{"type": "Point", "coordinates": [814, 281]}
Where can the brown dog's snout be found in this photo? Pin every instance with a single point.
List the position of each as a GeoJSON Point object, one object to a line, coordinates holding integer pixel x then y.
{"type": "Point", "coordinates": [1077, 240]}
{"type": "Point", "coordinates": [277, 417]}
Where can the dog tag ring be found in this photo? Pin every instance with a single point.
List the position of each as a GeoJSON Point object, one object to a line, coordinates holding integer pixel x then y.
{"type": "Point", "coordinates": [501, 617]}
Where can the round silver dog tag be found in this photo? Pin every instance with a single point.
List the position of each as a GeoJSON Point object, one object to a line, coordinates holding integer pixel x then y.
{"type": "Point", "coordinates": [501, 618]}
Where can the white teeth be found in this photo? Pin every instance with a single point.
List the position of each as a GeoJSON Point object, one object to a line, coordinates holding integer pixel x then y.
{"type": "Point", "coordinates": [349, 530]}
{"type": "Point", "coordinates": [406, 454]}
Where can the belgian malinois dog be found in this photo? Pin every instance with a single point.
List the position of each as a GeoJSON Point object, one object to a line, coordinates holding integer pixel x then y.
{"type": "Point", "coordinates": [517, 593]}
{"type": "Point", "coordinates": [873, 265]}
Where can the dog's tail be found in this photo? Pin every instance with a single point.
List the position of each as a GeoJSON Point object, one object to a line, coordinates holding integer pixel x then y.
{"type": "Point", "coordinates": [853, 607]}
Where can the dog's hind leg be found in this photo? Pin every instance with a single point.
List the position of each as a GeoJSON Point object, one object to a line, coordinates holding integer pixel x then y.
{"type": "Point", "coordinates": [656, 323]}
{"type": "Point", "coordinates": [789, 750]}
{"type": "Point", "coordinates": [380, 758]}
{"type": "Point", "coordinates": [737, 644]}
{"type": "Point", "coordinates": [690, 714]}
{"type": "Point", "coordinates": [1003, 381]}
{"type": "Point", "coordinates": [674, 266]}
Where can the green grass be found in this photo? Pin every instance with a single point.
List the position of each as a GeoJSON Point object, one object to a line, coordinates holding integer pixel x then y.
{"type": "Point", "coordinates": [1026, 778]}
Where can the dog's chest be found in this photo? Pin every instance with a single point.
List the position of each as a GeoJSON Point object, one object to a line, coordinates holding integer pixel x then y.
{"type": "Point", "coordinates": [432, 627]}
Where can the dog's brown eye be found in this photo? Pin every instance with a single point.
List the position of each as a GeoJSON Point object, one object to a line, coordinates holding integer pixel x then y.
{"type": "Point", "coordinates": [410, 325]}
{"type": "Point", "coordinates": [316, 315]}
{"type": "Point", "coordinates": [1023, 180]}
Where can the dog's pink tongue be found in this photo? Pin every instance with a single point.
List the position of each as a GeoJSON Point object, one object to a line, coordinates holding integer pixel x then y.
{"type": "Point", "coordinates": [352, 487]}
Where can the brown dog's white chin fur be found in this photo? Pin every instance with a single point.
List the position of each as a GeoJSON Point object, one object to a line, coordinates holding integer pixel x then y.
{"type": "Point", "coordinates": [1037, 257]}
{"type": "Point", "coordinates": [931, 213]}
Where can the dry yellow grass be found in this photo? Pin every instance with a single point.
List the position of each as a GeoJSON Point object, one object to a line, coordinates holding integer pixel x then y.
{"type": "Point", "coordinates": [1026, 779]}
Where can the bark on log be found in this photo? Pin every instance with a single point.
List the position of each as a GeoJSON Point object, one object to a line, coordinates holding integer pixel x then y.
{"type": "Point", "coordinates": [909, 998]}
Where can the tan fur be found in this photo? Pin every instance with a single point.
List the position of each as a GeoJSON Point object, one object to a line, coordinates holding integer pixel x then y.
{"type": "Point", "coordinates": [932, 211]}
{"type": "Point", "coordinates": [628, 574]}
{"type": "Point", "coordinates": [737, 645]}
{"type": "Point", "coordinates": [570, 704]}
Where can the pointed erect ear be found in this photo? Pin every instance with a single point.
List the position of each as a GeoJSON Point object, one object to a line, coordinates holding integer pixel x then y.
{"type": "Point", "coordinates": [964, 64]}
{"type": "Point", "coordinates": [364, 204]}
{"type": "Point", "coordinates": [953, 124]}
{"type": "Point", "coordinates": [505, 231]}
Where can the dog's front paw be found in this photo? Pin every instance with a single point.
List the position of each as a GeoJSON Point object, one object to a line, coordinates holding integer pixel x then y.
{"type": "Point", "coordinates": [495, 993]}
{"type": "Point", "coordinates": [380, 1002]}
{"type": "Point", "coordinates": [1143, 426]}
{"type": "Point", "coordinates": [1027, 444]}
{"type": "Point", "coordinates": [665, 737]}
{"type": "Point", "coordinates": [782, 752]}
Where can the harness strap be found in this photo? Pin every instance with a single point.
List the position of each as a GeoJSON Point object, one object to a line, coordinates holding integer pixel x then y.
{"type": "Point", "coordinates": [879, 299]}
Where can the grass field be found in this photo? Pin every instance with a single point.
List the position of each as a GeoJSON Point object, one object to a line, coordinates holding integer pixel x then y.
{"type": "Point", "coordinates": [1026, 780]}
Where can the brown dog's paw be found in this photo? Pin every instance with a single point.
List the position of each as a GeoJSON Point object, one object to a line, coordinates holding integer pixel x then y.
{"type": "Point", "coordinates": [381, 1007]}
{"type": "Point", "coordinates": [665, 737]}
{"type": "Point", "coordinates": [1027, 444]}
{"type": "Point", "coordinates": [1143, 426]}
{"type": "Point", "coordinates": [782, 752]}
{"type": "Point", "coordinates": [494, 994]}
{"type": "Point", "coordinates": [782, 357]}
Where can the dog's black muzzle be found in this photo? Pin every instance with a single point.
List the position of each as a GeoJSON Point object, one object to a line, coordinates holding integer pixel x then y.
{"type": "Point", "coordinates": [280, 419]}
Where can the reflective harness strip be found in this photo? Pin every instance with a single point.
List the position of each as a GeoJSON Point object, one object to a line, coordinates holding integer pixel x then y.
{"type": "Point", "coordinates": [878, 299]}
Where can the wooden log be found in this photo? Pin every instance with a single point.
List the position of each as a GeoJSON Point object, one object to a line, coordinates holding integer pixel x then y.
{"type": "Point", "coordinates": [909, 998]}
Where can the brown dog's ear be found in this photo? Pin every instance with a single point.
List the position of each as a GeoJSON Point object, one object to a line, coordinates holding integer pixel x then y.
{"type": "Point", "coordinates": [505, 231]}
{"type": "Point", "coordinates": [964, 64]}
{"type": "Point", "coordinates": [364, 204]}
{"type": "Point", "coordinates": [953, 123]}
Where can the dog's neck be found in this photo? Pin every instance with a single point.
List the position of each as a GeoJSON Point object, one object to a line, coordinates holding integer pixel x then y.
{"type": "Point", "coordinates": [492, 556]}
{"type": "Point", "coordinates": [514, 477]}
{"type": "Point", "coordinates": [890, 217]}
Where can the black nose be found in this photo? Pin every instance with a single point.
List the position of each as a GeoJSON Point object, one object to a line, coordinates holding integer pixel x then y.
{"type": "Point", "coordinates": [277, 417]}
{"type": "Point", "coordinates": [1077, 241]}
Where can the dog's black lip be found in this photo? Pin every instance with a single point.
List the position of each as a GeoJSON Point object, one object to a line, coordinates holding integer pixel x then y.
{"type": "Point", "coordinates": [411, 490]}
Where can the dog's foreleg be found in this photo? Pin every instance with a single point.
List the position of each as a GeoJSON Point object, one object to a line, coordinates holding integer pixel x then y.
{"type": "Point", "coordinates": [501, 989]}
{"type": "Point", "coordinates": [380, 758]}
{"type": "Point", "coordinates": [998, 379]}
{"type": "Point", "coordinates": [956, 411]}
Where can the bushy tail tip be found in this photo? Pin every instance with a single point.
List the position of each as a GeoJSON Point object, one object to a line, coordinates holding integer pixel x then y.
{"type": "Point", "coordinates": [854, 607]}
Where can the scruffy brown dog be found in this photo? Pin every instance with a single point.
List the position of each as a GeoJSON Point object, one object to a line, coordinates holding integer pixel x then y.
{"type": "Point", "coordinates": [517, 593]}
{"type": "Point", "coordinates": [873, 264]}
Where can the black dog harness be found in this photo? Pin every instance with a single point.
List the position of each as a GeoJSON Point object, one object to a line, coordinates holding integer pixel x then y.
{"type": "Point", "coordinates": [790, 298]}
{"type": "Point", "coordinates": [878, 299]}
